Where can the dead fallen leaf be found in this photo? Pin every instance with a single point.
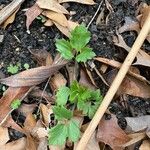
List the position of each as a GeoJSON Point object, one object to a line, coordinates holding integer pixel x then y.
{"type": "Point", "coordinates": [57, 17]}
{"type": "Point", "coordinates": [31, 14]}
{"type": "Point", "coordinates": [49, 59]}
{"type": "Point", "coordinates": [10, 95]}
{"type": "Point", "coordinates": [19, 144]}
{"type": "Point", "coordinates": [110, 133]}
{"type": "Point", "coordinates": [10, 19]}
{"type": "Point", "coordinates": [40, 55]}
{"type": "Point", "coordinates": [52, 5]}
{"type": "Point", "coordinates": [87, 2]}
{"type": "Point", "coordinates": [31, 144]}
{"type": "Point", "coordinates": [4, 136]}
{"type": "Point", "coordinates": [48, 23]}
{"type": "Point", "coordinates": [136, 124]}
{"type": "Point", "coordinates": [130, 25]}
{"type": "Point", "coordinates": [57, 81]}
{"type": "Point", "coordinates": [43, 144]}
{"type": "Point", "coordinates": [130, 85]}
{"type": "Point", "coordinates": [46, 111]}
{"type": "Point", "coordinates": [142, 57]}
{"type": "Point", "coordinates": [32, 77]}
{"type": "Point", "coordinates": [145, 145]}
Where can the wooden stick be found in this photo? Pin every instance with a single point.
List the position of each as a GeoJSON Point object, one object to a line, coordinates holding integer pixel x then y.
{"type": "Point", "coordinates": [9, 9]}
{"type": "Point", "coordinates": [115, 85]}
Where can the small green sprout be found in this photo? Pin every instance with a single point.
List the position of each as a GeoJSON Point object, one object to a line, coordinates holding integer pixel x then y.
{"type": "Point", "coordinates": [76, 46]}
{"type": "Point", "coordinates": [41, 18]}
{"type": "Point", "coordinates": [15, 104]}
{"type": "Point", "coordinates": [26, 66]}
{"type": "Point", "coordinates": [13, 69]}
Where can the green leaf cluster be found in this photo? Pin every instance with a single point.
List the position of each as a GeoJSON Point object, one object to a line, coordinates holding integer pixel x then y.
{"type": "Point", "coordinates": [84, 99]}
{"type": "Point", "coordinates": [13, 69]}
{"type": "Point", "coordinates": [76, 46]}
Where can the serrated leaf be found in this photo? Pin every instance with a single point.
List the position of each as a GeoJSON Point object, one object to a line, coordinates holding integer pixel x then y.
{"type": "Point", "coordinates": [58, 135]}
{"type": "Point", "coordinates": [15, 104]}
{"type": "Point", "coordinates": [85, 55]}
{"type": "Point", "coordinates": [65, 49]}
{"type": "Point", "coordinates": [73, 130]}
{"type": "Point", "coordinates": [62, 95]}
{"type": "Point", "coordinates": [62, 113]}
{"type": "Point", "coordinates": [80, 36]}
{"type": "Point", "coordinates": [96, 95]}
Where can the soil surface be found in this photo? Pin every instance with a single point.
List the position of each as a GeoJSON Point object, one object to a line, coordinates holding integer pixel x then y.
{"type": "Point", "coordinates": [15, 46]}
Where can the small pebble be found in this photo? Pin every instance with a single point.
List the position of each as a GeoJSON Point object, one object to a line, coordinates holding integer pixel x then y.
{"type": "Point", "coordinates": [1, 38]}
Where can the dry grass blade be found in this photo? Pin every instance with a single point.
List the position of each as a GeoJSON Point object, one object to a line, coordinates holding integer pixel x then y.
{"type": "Point", "coordinates": [87, 2]}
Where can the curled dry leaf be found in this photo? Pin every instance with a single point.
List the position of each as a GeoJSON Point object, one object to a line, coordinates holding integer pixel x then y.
{"type": "Point", "coordinates": [32, 77]}
{"type": "Point", "coordinates": [48, 23]}
{"type": "Point", "coordinates": [87, 2]}
{"type": "Point", "coordinates": [110, 133]}
{"type": "Point", "coordinates": [57, 17]}
{"type": "Point", "coordinates": [9, 95]}
{"type": "Point", "coordinates": [145, 145]}
{"type": "Point", "coordinates": [142, 57]}
{"type": "Point", "coordinates": [136, 124]}
{"type": "Point", "coordinates": [31, 14]}
{"type": "Point", "coordinates": [4, 136]}
{"type": "Point", "coordinates": [130, 85]}
{"type": "Point", "coordinates": [66, 30]}
{"type": "Point", "coordinates": [46, 111]}
{"type": "Point", "coordinates": [57, 81]}
{"type": "Point", "coordinates": [19, 144]}
{"type": "Point", "coordinates": [52, 5]}
{"type": "Point", "coordinates": [10, 19]}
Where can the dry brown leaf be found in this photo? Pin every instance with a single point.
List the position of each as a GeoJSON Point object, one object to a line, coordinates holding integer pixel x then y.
{"type": "Point", "coordinates": [142, 57]}
{"type": "Point", "coordinates": [57, 17]}
{"type": "Point", "coordinates": [87, 2]}
{"type": "Point", "coordinates": [43, 144]}
{"type": "Point", "coordinates": [52, 5]}
{"type": "Point", "coordinates": [145, 145]}
{"type": "Point", "coordinates": [57, 81]}
{"type": "Point", "coordinates": [46, 111]}
{"type": "Point", "coordinates": [48, 23]}
{"type": "Point", "coordinates": [31, 14]}
{"type": "Point", "coordinates": [130, 25]}
{"type": "Point", "coordinates": [40, 56]}
{"type": "Point", "coordinates": [31, 144]}
{"type": "Point", "coordinates": [4, 136]}
{"type": "Point", "coordinates": [130, 85]}
{"type": "Point", "coordinates": [15, 145]}
{"type": "Point", "coordinates": [72, 25]}
{"type": "Point", "coordinates": [49, 59]}
{"type": "Point", "coordinates": [32, 77]}
{"type": "Point", "coordinates": [10, 95]}
{"type": "Point", "coordinates": [110, 133]}
{"type": "Point", "coordinates": [10, 19]}
{"type": "Point", "coordinates": [136, 124]}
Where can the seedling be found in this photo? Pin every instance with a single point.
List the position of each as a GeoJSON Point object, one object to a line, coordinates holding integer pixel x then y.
{"type": "Point", "coordinates": [26, 66]}
{"type": "Point", "coordinates": [76, 47]}
{"type": "Point", "coordinates": [83, 99]}
{"type": "Point", "coordinates": [41, 18]}
{"type": "Point", "coordinates": [13, 69]}
{"type": "Point", "coordinates": [15, 104]}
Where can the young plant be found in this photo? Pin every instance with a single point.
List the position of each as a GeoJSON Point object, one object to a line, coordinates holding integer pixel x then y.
{"type": "Point", "coordinates": [15, 104]}
{"type": "Point", "coordinates": [26, 66]}
{"type": "Point", "coordinates": [67, 127]}
{"type": "Point", "coordinates": [13, 69]}
{"type": "Point", "coordinates": [76, 46]}
{"type": "Point", "coordinates": [83, 99]}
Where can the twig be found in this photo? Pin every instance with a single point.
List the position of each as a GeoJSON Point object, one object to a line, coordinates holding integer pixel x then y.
{"type": "Point", "coordinates": [9, 9]}
{"type": "Point", "coordinates": [115, 85]}
{"type": "Point", "coordinates": [95, 14]}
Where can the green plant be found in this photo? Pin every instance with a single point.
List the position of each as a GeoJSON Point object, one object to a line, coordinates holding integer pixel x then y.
{"type": "Point", "coordinates": [41, 18]}
{"type": "Point", "coordinates": [26, 66]}
{"type": "Point", "coordinates": [83, 99]}
{"type": "Point", "coordinates": [15, 104]}
{"type": "Point", "coordinates": [76, 46]}
{"type": "Point", "coordinates": [13, 69]}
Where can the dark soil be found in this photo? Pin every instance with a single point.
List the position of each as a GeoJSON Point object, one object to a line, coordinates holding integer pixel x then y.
{"type": "Point", "coordinates": [17, 42]}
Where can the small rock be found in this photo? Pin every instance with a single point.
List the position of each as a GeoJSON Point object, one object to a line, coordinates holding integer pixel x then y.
{"type": "Point", "coordinates": [1, 38]}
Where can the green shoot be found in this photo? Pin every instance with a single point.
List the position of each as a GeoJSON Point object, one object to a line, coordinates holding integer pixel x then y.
{"type": "Point", "coordinates": [15, 104]}
{"type": "Point", "coordinates": [41, 18]}
{"type": "Point", "coordinates": [76, 46]}
{"type": "Point", "coordinates": [13, 69]}
{"type": "Point", "coordinates": [26, 66]}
